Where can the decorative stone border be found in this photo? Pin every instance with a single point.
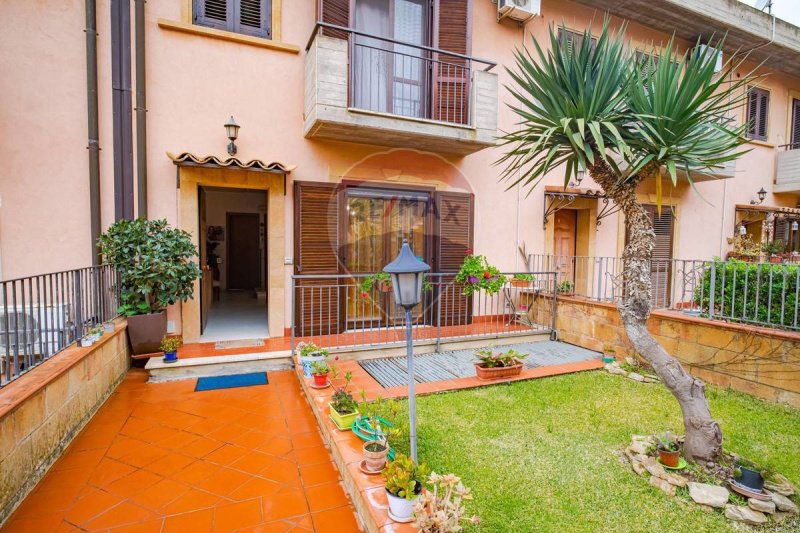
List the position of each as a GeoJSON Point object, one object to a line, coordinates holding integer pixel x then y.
{"type": "Point", "coordinates": [713, 497]}
{"type": "Point", "coordinates": [615, 368]}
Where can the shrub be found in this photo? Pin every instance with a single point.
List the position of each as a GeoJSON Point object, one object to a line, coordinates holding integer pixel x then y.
{"type": "Point", "coordinates": [171, 344]}
{"type": "Point", "coordinates": [749, 292]}
{"type": "Point", "coordinates": [154, 263]}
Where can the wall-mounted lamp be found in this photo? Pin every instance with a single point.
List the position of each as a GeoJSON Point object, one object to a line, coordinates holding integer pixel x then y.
{"type": "Point", "coordinates": [761, 195]}
{"type": "Point", "coordinates": [742, 229]}
{"type": "Point", "coordinates": [578, 177]}
{"type": "Point", "coordinates": [232, 131]}
{"type": "Point", "coordinates": [795, 225]}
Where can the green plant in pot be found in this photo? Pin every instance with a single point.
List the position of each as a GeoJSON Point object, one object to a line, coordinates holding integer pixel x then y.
{"type": "Point", "coordinates": [343, 409]}
{"type": "Point", "coordinates": [170, 347]}
{"type": "Point", "coordinates": [566, 288]}
{"type": "Point", "coordinates": [609, 354]}
{"type": "Point", "coordinates": [156, 269]}
{"type": "Point", "coordinates": [382, 280]}
{"type": "Point", "coordinates": [320, 371]}
{"type": "Point", "coordinates": [669, 450]}
{"type": "Point", "coordinates": [476, 274]}
{"type": "Point", "coordinates": [404, 481]}
{"type": "Point", "coordinates": [522, 280]}
{"type": "Point", "coordinates": [309, 353]}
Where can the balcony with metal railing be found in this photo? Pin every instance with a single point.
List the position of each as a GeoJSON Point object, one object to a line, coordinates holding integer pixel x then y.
{"type": "Point", "coordinates": [375, 90]}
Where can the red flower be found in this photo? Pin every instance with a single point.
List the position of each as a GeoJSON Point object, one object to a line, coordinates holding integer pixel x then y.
{"type": "Point", "coordinates": [364, 294]}
{"type": "Point", "coordinates": [468, 251]}
{"type": "Point", "coordinates": [336, 358]}
{"type": "Point", "coordinates": [487, 275]}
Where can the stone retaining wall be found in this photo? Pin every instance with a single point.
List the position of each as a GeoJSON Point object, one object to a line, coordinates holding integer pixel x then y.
{"type": "Point", "coordinates": [759, 361]}
{"type": "Point", "coordinates": [44, 409]}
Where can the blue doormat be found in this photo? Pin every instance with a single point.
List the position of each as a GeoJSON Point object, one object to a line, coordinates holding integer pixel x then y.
{"type": "Point", "coordinates": [230, 382]}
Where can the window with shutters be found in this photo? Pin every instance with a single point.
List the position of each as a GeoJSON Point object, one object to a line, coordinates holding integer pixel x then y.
{"type": "Point", "coordinates": [249, 17]}
{"type": "Point", "coordinates": [661, 262]}
{"type": "Point", "coordinates": [573, 39]}
{"type": "Point", "coordinates": [757, 114]}
{"type": "Point", "coordinates": [794, 134]}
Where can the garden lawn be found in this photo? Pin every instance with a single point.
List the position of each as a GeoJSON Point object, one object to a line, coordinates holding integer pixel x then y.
{"type": "Point", "coordinates": [544, 455]}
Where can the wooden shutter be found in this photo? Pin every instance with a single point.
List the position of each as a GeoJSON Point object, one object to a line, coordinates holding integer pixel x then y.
{"type": "Point", "coordinates": [795, 133]}
{"type": "Point", "coordinates": [454, 219]}
{"type": "Point", "coordinates": [661, 264]}
{"type": "Point", "coordinates": [316, 251]}
{"type": "Point", "coordinates": [757, 114]}
{"type": "Point", "coordinates": [335, 12]}
{"type": "Point", "coordinates": [451, 75]}
{"type": "Point", "coordinates": [251, 17]}
{"type": "Point", "coordinates": [213, 13]}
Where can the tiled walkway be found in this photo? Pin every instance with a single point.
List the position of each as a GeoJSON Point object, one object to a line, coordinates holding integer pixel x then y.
{"type": "Point", "coordinates": [162, 458]}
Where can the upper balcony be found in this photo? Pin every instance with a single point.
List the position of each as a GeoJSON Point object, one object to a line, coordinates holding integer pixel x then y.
{"type": "Point", "coordinates": [787, 177]}
{"type": "Point", "coordinates": [374, 90]}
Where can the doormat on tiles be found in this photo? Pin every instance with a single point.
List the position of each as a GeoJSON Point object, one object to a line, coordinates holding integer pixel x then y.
{"type": "Point", "coordinates": [230, 382]}
{"type": "Point", "coordinates": [240, 343]}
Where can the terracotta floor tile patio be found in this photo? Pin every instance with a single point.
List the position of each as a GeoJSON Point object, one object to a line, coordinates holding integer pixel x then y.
{"type": "Point", "coordinates": [161, 457]}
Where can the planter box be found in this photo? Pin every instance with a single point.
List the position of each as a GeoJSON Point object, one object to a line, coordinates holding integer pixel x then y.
{"type": "Point", "coordinates": [343, 422]}
{"type": "Point", "coordinates": [498, 371]}
{"type": "Point", "coordinates": [146, 332]}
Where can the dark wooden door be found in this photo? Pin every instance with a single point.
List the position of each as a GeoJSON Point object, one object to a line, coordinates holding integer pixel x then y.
{"type": "Point", "coordinates": [244, 251]}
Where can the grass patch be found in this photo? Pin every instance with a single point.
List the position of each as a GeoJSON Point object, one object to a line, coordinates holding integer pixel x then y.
{"type": "Point", "coordinates": [540, 455]}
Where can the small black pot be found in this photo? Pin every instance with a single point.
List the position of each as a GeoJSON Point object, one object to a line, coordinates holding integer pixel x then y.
{"type": "Point", "coordinates": [751, 479]}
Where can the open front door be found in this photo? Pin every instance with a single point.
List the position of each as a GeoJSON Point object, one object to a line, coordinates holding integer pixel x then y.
{"type": "Point", "coordinates": [207, 281]}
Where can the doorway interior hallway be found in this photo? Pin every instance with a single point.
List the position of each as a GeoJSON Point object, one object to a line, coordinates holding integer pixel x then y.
{"type": "Point", "coordinates": [236, 315]}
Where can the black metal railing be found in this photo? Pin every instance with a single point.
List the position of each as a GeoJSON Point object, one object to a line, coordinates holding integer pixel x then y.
{"type": "Point", "coordinates": [42, 315]}
{"type": "Point", "coordinates": [406, 79]}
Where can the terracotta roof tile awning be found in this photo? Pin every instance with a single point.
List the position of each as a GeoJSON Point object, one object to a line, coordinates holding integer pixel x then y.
{"type": "Point", "coordinates": [190, 160]}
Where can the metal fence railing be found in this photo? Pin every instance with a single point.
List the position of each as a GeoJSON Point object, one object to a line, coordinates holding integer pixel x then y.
{"type": "Point", "coordinates": [404, 78]}
{"type": "Point", "coordinates": [764, 294]}
{"type": "Point", "coordinates": [334, 312]}
{"type": "Point", "coordinates": [41, 315]}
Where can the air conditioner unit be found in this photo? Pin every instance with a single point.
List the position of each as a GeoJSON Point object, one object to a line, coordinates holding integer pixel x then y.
{"type": "Point", "coordinates": [519, 10]}
{"type": "Point", "coordinates": [37, 330]}
{"type": "Point", "coordinates": [705, 52]}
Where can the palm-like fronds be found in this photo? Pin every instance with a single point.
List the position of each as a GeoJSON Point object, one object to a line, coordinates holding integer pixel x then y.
{"type": "Point", "coordinates": [571, 105]}
{"type": "Point", "coordinates": [599, 101]}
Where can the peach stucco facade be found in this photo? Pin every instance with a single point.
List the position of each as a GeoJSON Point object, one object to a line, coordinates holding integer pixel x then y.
{"type": "Point", "coordinates": [195, 81]}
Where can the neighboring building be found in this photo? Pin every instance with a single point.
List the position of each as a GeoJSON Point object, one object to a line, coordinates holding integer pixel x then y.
{"type": "Point", "coordinates": [347, 144]}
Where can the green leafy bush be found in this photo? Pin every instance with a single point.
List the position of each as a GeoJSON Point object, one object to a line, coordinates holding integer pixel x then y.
{"type": "Point", "coordinates": [749, 292]}
{"type": "Point", "coordinates": [171, 344]}
{"type": "Point", "coordinates": [154, 262]}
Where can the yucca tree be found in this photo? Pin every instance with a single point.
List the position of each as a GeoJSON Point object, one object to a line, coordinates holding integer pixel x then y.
{"type": "Point", "coordinates": [625, 120]}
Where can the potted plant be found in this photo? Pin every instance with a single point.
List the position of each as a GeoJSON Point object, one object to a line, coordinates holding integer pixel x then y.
{"type": "Point", "coordinates": [170, 345]}
{"type": "Point", "coordinates": [609, 354]}
{"type": "Point", "coordinates": [86, 341]}
{"type": "Point", "coordinates": [566, 288]}
{"type": "Point", "coordinates": [441, 508]}
{"type": "Point", "coordinates": [343, 409]}
{"type": "Point", "coordinates": [310, 353]}
{"type": "Point", "coordinates": [156, 269]}
{"type": "Point", "coordinates": [522, 280]}
{"type": "Point", "coordinates": [669, 450]}
{"type": "Point", "coordinates": [380, 279]}
{"type": "Point", "coordinates": [108, 327]}
{"type": "Point", "coordinates": [404, 482]}
{"type": "Point", "coordinates": [377, 424]}
{"type": "Point", "coordinates": [494, 365]}
{"type": "Point", "coordinates": [95, 333]}
{"type": "Point", "coordinates": [476, 274]}
{"type": "Point", "coordinates": [773, 250]}
{"type": "Point", "coordinates": [320, 370]}
{"type": "Point", "coordinates": [750, 476]}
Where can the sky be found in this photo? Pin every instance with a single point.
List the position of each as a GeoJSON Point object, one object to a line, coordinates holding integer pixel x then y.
{"type": "Point", "coordinates": [788, 10]}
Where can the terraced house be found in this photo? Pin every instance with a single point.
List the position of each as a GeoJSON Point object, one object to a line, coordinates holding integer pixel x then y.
{"type": "Point", "coordinates": [300, 142]}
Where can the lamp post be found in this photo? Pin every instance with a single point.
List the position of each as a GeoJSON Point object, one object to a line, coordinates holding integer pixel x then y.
{"type": "Point", "coordinates": [406, 272]}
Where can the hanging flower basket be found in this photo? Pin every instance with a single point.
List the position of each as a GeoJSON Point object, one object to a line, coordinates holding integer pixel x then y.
{"type": "Point", "coordinates": [478, 275]}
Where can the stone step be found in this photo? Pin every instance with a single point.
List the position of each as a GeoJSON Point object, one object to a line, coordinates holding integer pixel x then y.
{"type": "Point", "coordinates": [217, 365]}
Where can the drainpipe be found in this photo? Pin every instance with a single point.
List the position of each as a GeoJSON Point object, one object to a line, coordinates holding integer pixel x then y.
{"type": "Point", "coordinates": [122, 108]}
{"type": "Point", "coordinates": [141, 112]}
{"type": "Point", "coordinates": [94, 128]}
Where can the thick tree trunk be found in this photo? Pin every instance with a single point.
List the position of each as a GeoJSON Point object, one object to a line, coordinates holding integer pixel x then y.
{"type": "Point", "coordinates": [703, 434]}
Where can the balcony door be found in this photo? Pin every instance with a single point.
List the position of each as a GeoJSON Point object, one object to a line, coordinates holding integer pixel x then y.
{"type": "Point", "coordinates": [377, 221]}
{"type": "Point", "coordinates": [389, 77]}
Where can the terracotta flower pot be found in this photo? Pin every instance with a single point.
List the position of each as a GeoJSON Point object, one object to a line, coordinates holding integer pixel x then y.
{"type": "Point", "coordinates": [320, 380]}
{"type": "Point", "coordinates": [668, 458]}
{"type": "Point", "coordinates": [375, 459]}
{"type": "Point", "coordinates": [498, 371]}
